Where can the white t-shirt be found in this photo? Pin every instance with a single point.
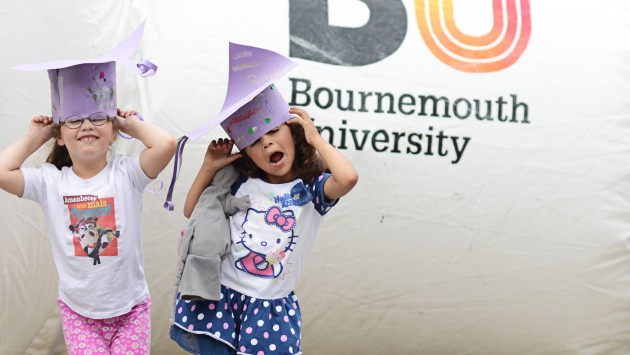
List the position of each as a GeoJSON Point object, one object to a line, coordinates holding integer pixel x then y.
{"type": "Point", "coordinates": [94, 230]}
{"type": "Point", "coordinates": [272, 238]}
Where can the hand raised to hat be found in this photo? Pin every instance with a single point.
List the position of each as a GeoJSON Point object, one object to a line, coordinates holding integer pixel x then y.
{"type": "Point", "coordinates": [344, 175]}
{"type": "Point", "coordinates": [310, 131]}
{"type": "Point", "coordinates": [127, 120]}
{"type": "Point", "coordinates": [41, 129]}
{"type": "Point", "coordinates": [219, 154]}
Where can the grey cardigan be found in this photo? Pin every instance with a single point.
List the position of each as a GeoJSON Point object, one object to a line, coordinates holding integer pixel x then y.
{"type": "Point", "coordinates": [207, 240]}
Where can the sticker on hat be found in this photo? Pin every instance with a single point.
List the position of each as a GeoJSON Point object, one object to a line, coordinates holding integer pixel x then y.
{"type": "Point", "coordinates": [82, 87]}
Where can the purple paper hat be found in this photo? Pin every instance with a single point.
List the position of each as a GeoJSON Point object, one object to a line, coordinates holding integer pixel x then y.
{"type": "Point", "coordinates": [252, 71]}
{"type": "Point", "coordinates": [83, 87]}
{"type": "Point", "coordinates": [263, 113]}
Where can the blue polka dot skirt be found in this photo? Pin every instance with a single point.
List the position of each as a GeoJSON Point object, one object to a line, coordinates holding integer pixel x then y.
{"type": "Point", "coordinates": [247, 324]}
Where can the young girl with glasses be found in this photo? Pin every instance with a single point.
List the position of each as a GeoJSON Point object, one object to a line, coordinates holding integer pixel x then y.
{"type": "Point", "coordinates": [92, 208]}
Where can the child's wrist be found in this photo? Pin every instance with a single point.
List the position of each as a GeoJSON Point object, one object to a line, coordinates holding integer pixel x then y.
{"type": "Point", "coordinates": [132, 125]}
{"type": "Point", "coordinates": [318, 140]}
{"type": "Point", "coordinates": [208, 169]}
{"type": "Point", "coordinates": [35, 141]}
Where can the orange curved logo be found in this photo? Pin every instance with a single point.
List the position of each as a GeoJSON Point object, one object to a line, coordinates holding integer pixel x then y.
{"type": "Point", "coordinates": [493, 51]}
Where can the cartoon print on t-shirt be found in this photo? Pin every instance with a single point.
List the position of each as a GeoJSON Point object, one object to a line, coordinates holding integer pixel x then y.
{"type": "Point", "coordinates": [266, 242]}
{"type": "Point", "coordinates": [93, 238]}
{"type": "Point", "coordinates": [93, 226]}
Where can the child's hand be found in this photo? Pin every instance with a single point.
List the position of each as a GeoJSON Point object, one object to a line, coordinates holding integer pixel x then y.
{"type": "Point", "coordinates": [310, 131]}
{"type": "Point", "coordinates": [126, 120]}
{"type": "Point", "coordinates": [344, 176]}
{"type": "Point", "coordinates": [219, 154]}
{"type": "Point", "coordinates": [41, 129]}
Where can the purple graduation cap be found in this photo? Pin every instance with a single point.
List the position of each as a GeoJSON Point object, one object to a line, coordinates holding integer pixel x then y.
{"type": "Point", "coordinates": [252, 105]}
{"type": "Point", "coordinates": [80, 88]}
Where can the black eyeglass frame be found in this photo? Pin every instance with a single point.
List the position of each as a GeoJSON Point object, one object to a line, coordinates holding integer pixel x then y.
{"type": "Point", "coordinates": [97, 121]}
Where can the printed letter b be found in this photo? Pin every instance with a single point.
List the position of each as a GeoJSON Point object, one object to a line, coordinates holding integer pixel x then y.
{"type": "Point", "coordinates": [312, 38]}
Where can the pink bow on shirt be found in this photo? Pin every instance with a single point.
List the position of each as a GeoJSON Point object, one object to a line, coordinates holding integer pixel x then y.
{"type": "Point", "coordinates": [284, 222]}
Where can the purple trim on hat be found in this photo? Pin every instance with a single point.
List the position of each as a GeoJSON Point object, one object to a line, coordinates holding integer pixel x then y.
{"type": "Point", "coordinates": [142, 67]}
{"type": "Point", "coordinates": [146, 68]}
{"type": "Point", "coordinates": [126, 136]}
{"type": "Point", "coordinates": [177, 168]}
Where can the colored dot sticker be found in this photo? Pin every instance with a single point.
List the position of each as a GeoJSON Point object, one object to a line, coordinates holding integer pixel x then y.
{"type": "Point", "coordinates": [267, 120]}
{"type": "Point", "coordinates": [252, 130]}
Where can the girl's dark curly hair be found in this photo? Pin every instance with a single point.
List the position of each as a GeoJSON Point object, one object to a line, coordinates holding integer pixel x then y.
{"type": "Point", "coordinates": [59, 156]}
{"type": "Point", "coordinates": [307, 162]}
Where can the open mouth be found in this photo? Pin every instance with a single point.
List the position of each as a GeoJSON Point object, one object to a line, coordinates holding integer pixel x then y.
{"type": "Point", "coordinates": [276, 158]}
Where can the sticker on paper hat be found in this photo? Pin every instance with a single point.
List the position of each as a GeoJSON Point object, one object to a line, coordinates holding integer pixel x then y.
{"type": "Point", "coordinates": [81, 87]}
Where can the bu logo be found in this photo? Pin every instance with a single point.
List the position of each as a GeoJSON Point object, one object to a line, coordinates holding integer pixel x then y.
{"type": "Point", "coordinates": [312, 38]}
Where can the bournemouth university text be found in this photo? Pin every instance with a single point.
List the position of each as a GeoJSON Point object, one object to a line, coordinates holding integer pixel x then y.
{"type": "Point", "coordinates": [430, 142]}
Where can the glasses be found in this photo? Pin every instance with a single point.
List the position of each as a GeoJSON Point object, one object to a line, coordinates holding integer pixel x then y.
{"type": "Point", "coordinates": [97, 119]}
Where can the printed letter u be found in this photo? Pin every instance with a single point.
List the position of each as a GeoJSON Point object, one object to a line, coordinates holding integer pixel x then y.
{"type": "Point", "coordinates": [493, 51]}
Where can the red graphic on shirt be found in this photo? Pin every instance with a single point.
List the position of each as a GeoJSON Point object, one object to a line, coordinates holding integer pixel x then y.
{"type": "Point", "coordinates": [93, 226]}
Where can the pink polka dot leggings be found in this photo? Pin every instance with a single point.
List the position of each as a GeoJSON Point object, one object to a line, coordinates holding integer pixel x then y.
{"type": "Point", "coordinates": [129, 333]}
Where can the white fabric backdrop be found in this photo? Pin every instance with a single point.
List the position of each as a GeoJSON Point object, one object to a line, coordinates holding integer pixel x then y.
{"type": "Point", "coordinates": [520, 247]}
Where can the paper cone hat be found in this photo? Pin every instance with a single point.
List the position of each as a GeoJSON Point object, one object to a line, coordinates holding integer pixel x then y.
{"type": "Point", "coordinates": [252, 71]}
{"type": "Point", "coordinates": [82, 87]}
{"type": "Point", "coordinates": [252, 106]}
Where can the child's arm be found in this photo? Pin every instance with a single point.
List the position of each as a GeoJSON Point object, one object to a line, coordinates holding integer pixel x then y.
{"type": "Point", "coordinates": [160, 146]}
{"type": "Point", "coordinates": [217, 156]}
{"type": "Point", "coordinates": [13, 156]}
{"type": "Point", "coordinates": [344, 175]}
